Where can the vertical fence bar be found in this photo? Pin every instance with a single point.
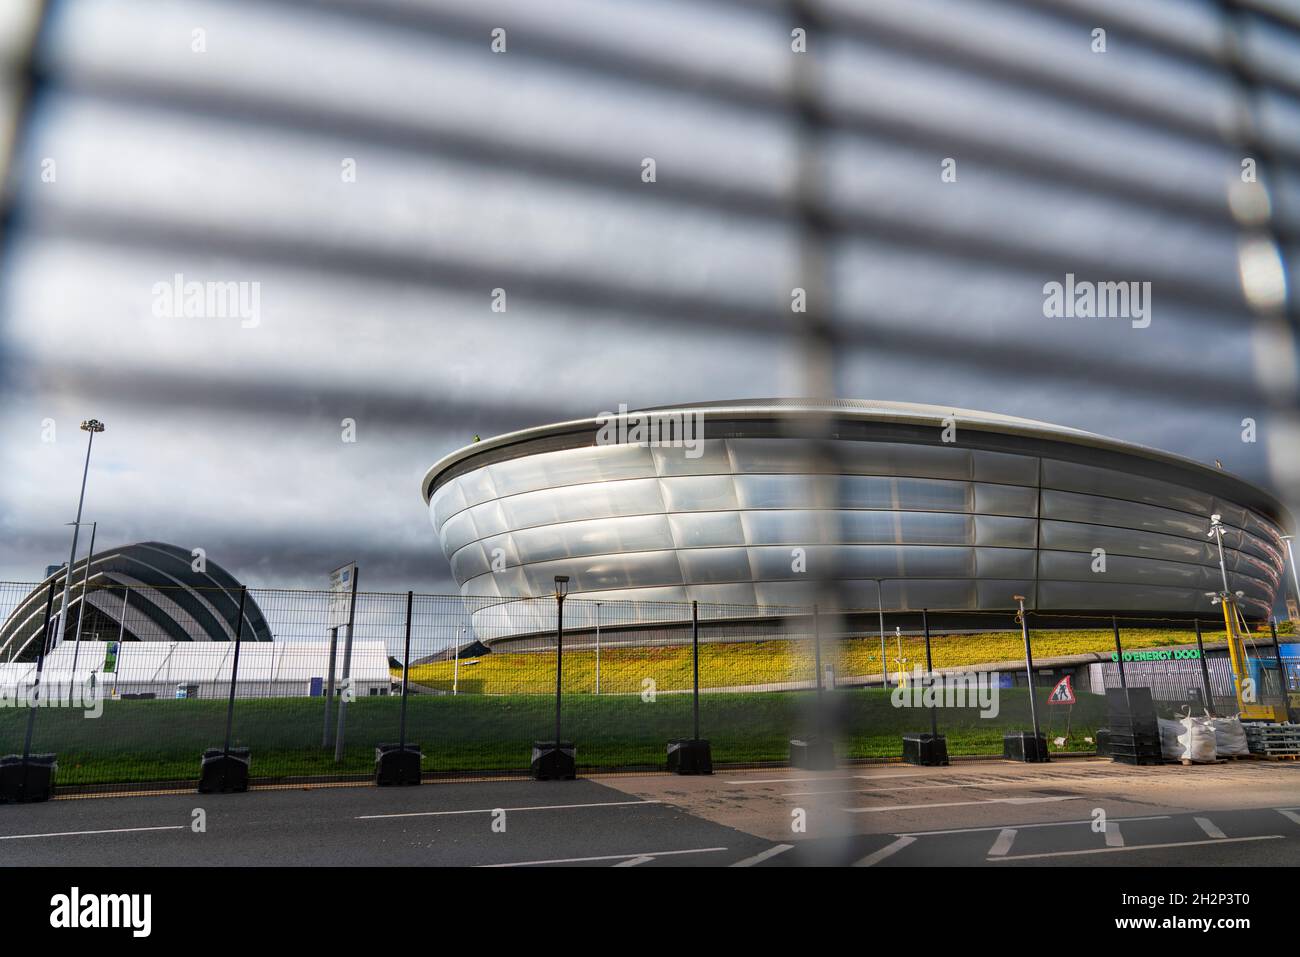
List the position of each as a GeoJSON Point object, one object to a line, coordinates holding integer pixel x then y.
{"type": "Point", "coordinates": [929, 670]}
{"type": "Point", "coordinates": [1205, 670]}
{"type": "Point", "coordinates": [36, 686]}
{"type": "Point", "coordinates": [1119, 650]}
{"type": "Point", "coordinates": [329, 687]}
{"type": "Point", "coordinates": [347, 668]}
{"type": "Point", "coordinates": [695, 666]}
{"type": "Point", "coordinates": [559, 664]}
{"type": "Point", "coordinates": [406, 669]}
{"type": "Point", "coordinates": [817, 647]}
{"type": "Point", "coordinates": [234, 669]}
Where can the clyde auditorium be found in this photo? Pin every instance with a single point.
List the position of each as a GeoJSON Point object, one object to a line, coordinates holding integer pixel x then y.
{"type": "Point", "coordinates": [1011, 506]}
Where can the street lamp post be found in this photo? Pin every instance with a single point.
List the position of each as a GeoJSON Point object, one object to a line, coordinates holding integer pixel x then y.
{"type": "Point", "coordinates": [561, 589]}
{"type": "Point", "coordinates": [81, 610]}
{"type": "Point", "coordinates": [880, 606]}
{"type": "Point", "coordinates": [92, 426]}
{"type": "Point", "coordinates": [552, 760]}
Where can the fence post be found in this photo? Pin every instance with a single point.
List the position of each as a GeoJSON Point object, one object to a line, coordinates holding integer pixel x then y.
{"type": "Point", "coordinates": [559, 664]}
{"type": "Point", "coordinates": [817, 647]}
{"type": "Point", "coordinates": [929, 668]}
{"type": "Point", "coordinates": [36, 686]}
{"type": "Point", "coordinates": [1119, 649]}
{"type": "Point", "coordinates": [329, 687]}
{"type": "Point", "coordinates": [234, 670]}
{"type": "Point", "coordinates": [695, 665]}
{"type": "Point", "coordinates": [1038, 754]}
{"type": "Point", "coordinates": [1205, 669]}
{"type": "Point", "coordinates": [406, 667]}
{"type": "Point", "coordinates": [347, 668]}
{"type": "Point", "coordinates": [1281, 668]}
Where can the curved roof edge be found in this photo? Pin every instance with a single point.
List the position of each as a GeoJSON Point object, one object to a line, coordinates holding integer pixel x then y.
{"type": "Point", "coordinates": [898, 413]}
{"type": "Point", "coordinates": [208, 599]}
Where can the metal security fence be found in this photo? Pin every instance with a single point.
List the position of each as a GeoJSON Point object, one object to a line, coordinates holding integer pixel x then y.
{"type": "Point", "coordinates": [314, 695]}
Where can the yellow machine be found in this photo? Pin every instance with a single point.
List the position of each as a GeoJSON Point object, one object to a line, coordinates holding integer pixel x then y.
{"type": "Point", "coordinates": [1242, 684]}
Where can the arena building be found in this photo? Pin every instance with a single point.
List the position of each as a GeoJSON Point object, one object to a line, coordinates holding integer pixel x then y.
{"type": "Point", "coordinates": [149, 591]}
{"type": "Point", "coordinates": [930, 507]}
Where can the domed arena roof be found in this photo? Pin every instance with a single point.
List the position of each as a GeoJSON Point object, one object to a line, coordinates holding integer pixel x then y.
{"type": "Point", "coordinates": [148, 591]}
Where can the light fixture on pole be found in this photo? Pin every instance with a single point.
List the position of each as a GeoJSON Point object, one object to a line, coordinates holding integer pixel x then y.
{"type": "Point", "coordinates": [554, 760]}
{"type": "Point", "coordinates": [561, 591]}
{"type": "Point", "coordinates": [93, 426]}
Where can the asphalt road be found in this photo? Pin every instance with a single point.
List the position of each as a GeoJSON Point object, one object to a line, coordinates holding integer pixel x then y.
{"type": "Point", "coordinates": [558, 822]}
{"type": "Point", "coordinates": [987, 814]}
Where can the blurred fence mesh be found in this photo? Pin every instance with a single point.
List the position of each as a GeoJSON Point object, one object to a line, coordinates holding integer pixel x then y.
{"type": "Point", "coordinates": [482, 675]}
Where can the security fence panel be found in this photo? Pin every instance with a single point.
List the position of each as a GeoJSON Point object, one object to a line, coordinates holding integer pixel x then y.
{"type": "Point", "coordinates": [153, 681]}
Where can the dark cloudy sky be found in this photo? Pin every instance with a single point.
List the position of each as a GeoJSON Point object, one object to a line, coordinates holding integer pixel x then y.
{"type": "Point", "coordinates": [522, 171]}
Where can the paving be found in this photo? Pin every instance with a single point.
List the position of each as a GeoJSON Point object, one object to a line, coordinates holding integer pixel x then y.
{"type": "Point", "coordinates": [1073, 812]}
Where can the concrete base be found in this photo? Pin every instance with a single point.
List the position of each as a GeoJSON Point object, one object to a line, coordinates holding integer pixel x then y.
{"type": "Point", "coordinates": [1023, 746]}
{"type": "Point", "coordinates": [396, 766]}
{"type": "Point", "coordinates": [222, 773]}
{"type": "Point", "coordinates": [927, 750]}
{"type": "Point", "coordinates": [690, 756]}
{"type": "Point", "coordinates": [551, 763]}
{"type": "Point", "coordinates": [24, 782]}
{"type": "Point", "coordinates": [812, 754]}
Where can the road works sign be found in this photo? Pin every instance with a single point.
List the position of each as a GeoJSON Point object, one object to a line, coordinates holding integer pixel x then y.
{"type": "Point", "coordinates": [1063, 693]}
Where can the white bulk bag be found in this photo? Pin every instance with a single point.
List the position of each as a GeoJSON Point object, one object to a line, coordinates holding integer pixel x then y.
{"type": "Point", "coordinates": [1171, 747]}
{"type": "Point", "coordinates": [1229, 737]}
{"type": "Point", "coordinates": [1197, 740]}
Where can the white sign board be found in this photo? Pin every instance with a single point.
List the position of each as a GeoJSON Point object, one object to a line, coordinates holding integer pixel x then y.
{"type": "Point", "coordinates": [341, 594]}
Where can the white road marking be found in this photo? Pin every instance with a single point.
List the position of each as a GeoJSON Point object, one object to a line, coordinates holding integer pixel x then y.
{"type": "Point", "coordinates": [490, 810]}
{"type": "Point", "coordinates": [984, 785]}
{"type": "Point", "coordinates": [1209, 827]}
{"type": "Point", "coordinates": [1003, 844]}
{"type": "Point", "coordinates": [1136, 847]}
{"type": "Point", "coordinates": [833, 777]}
{"type": "Point", "coordinates": [871, 860]}
{"type": "Point", "coordinates": [115, 830]}
{"type": "Point", "coordinates": [608, 857]}
{"type": "Point", "coordinates": [925, 807]}
{"type": "Point", "coordinates": [761, 856]}
{"type": "Point", "coordinates": [1288, 813]}
{"type": "Point", "coordinates": [1114, 838]}
{"type": "Point", "coordinates": [999, 827]}
{"type": "Point", "coordinates": [633, 862]}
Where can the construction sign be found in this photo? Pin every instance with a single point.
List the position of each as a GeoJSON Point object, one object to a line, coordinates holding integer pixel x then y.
{"type": "Point", "coordinates": [1063, 693]}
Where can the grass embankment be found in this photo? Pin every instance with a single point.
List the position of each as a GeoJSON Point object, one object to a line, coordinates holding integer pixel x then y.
{"type": "Point", "coordinates": [161, 740]}
{"type": "Point", "coordinates": [624, 670]}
